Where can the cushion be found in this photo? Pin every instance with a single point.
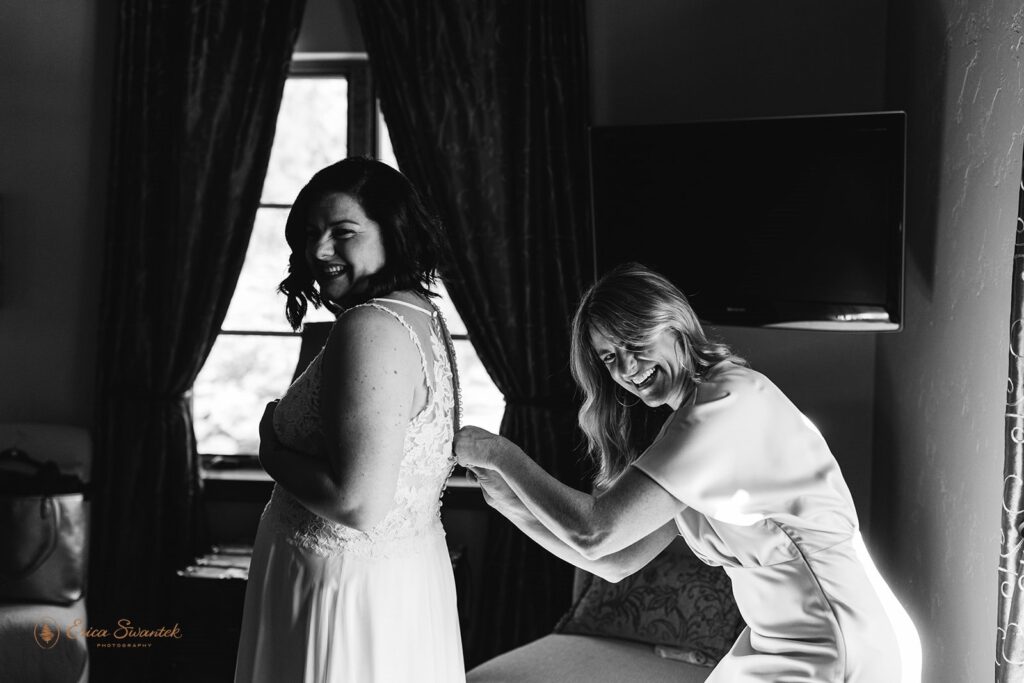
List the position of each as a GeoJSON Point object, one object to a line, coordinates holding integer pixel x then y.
{"type": "Point", "coordinates": [29, 653]}
{"type": "Point", "coordinates": [676, 602]}
{"type": "Point", "coordinates": [570, 659]}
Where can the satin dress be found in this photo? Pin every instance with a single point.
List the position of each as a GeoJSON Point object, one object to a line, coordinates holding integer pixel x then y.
{"type": "Point", "coordinates": [326, 603]}
{"type": "Point", "coordinates": [766, 500]}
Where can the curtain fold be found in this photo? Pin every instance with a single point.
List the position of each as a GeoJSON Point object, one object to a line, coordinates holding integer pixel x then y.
{"type": "Point", "coordinates": [1009, 636]}
{"type": "Point", "coordinates": [197, 89]}
{"type": "Point", "coordinates": [486, 102]}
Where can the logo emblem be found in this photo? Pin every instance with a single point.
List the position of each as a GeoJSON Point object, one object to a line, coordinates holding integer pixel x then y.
{"type": "Point", "coordinates": [47, 633]}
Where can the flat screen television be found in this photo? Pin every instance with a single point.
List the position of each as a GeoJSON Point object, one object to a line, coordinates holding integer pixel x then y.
{"type": "Point", "coordinates": [779, 222]}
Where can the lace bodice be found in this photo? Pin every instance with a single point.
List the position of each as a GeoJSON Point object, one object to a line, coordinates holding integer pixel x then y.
{"type": "Point", "coordinates": [426, 464]}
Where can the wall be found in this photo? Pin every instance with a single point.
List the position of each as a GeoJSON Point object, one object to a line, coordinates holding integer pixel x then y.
{"type": "Point", "coordinates": [940, 385]}
{"type": "Point", "coordinates": [703, 59]}
{"type": "Point", "coordinates": [330, 26]}
{"type": "Point", "coordinates": [55, 73]}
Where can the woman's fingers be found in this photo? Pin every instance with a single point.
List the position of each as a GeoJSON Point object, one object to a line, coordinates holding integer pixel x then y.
{"type": "Point", "coordinates": [472, 434]}
{"type": "Point", "coordinates": [483, 476]}
{"type": "Point", "coordinates": [474, 446]}
{"type": "Point", "coordinates": [495, 488]}
{"type": "Point", "coordinates": [466, 447]}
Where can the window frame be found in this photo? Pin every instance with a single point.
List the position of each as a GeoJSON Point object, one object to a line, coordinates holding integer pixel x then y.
{"type": "Point", "coordinates": [362, 108]}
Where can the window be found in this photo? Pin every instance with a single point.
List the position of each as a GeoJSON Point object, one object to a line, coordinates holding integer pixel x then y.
{"type": "Point", "coordinates": [327, 113]}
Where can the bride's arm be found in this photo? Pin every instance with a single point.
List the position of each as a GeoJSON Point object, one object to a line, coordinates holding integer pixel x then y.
{"type": "Point", "coordinates": [305, 476]}
{"type": "Point", "coordinates": [369, 375]}
{"type": "Point", "coordinates": [613, 567]}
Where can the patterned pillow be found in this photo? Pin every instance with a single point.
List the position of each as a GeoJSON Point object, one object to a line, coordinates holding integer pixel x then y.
{"type": "Point", "coordinates": [676, 602]}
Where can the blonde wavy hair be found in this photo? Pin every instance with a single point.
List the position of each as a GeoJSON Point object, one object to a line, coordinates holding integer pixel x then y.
{"type": "Point", "coordinates": [630, 306]}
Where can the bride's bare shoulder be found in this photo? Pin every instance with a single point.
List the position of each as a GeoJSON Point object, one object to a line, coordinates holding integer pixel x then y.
{"type": "Point", "coordinates": [365, 333]}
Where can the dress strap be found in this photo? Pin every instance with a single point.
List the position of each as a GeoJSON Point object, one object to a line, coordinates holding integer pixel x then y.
{"type": "Point", "coordinates": [412, 334]}
{"type": "Point", "coordinates": [403, 303]}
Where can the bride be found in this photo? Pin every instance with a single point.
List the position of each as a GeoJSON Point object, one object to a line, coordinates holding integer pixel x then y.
{"type": "Point", "coordinates": [350, 577]}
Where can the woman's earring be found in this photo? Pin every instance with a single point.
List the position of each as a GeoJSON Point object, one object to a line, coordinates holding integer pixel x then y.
{"type": "Point", "coordinates": [625, 405]}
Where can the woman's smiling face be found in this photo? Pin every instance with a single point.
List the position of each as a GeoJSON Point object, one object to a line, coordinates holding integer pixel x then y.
{"type": "Point", "coordinates": [343, 247]}
{"type": "Point", "coordinates": [655, 373]}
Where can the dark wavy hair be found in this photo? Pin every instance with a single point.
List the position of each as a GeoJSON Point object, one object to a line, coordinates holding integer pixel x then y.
{"type": "Point", "coordinates": [631, 305]}
{"type": "Point", "coordinates": [414, 241]}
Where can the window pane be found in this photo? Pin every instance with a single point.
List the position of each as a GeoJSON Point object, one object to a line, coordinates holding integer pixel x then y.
{"type": "Point", "coordinates": [482, 403]}
{"type": "Point", "coordinates": [256, 304]}
{"type": "Point", "coordinates": [242, 374]}
{"type": "Point", "coordinates": [451, 316]}
{"type": "Point", "coordinates": [312, 132]}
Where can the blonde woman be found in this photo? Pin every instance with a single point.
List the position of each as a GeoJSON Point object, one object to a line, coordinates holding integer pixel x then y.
{"type": "Point", "coordinates": [737, 470]}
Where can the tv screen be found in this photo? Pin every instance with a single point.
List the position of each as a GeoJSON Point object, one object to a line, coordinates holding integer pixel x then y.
{"type": "Point", "coordinates": [787, 222]}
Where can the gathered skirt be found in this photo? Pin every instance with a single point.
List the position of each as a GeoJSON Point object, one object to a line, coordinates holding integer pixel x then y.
{"type": "Point", "coordinates": [349, 617]}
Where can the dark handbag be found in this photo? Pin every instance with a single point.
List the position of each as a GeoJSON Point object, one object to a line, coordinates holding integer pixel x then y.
{"type": "Point", "coordinates": [44, 520]}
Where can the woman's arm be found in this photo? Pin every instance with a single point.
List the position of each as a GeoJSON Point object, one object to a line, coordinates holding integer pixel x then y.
{"type": "Point", "coordinates": [304, 476]}
{"type": "Point", "coordinates": [370, 375]}
{"type": "Point", "coordinates": [595, 526]}
{"type": "Point", "coordinates": [613, 568]}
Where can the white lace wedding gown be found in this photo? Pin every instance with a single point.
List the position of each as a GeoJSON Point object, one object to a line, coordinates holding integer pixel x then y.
{"type": "Point", "coordinates": [329, 603]}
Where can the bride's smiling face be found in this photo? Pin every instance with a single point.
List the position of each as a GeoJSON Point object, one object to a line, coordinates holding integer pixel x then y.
{"type": "Point", "coordinates": [343, 247]}
{"type": "Point", "coordinates": [654, 373]}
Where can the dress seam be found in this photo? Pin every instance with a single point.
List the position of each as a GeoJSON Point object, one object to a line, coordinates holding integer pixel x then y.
{"type": "Point", "coordinates": [840, 636]}
{"type": "Point", "coordinates": [801, 552]}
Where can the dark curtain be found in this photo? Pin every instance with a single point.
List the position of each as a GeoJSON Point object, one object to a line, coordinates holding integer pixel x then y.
{"type": "Point", "coordinates": [197, 89]}
{"type": "Point", "coordinates": [1009, 637]}
{"type": "Point", "coordinates": [486, 102]}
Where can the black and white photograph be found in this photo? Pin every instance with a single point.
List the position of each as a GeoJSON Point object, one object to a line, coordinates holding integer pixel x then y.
{"type": "Point", "coordinates": [511, 341]}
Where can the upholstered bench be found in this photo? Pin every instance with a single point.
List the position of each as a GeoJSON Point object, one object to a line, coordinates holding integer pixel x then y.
{"type": "Point", "coordinates": [671, 621]}
{"type": "Point", "coordinates": [587, 659]}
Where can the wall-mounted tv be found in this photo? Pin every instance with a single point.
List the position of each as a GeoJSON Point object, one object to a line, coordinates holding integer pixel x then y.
{"type": "Point", "coordinates": [781, 222]}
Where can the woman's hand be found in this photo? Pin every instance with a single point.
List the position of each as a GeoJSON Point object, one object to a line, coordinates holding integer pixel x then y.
{"type": "Point", "coordinates": [480, 449]}
{"type": "Point", "coordinates": [496, 491]}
